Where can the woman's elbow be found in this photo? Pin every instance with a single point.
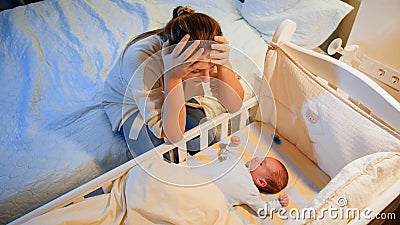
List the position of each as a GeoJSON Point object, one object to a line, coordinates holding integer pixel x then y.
{"type": "Point", "coordinates": [235, 108]}
{"type": "Point", "coordinates": [235, 105]}
{"type": "Point", "coordinates": [173, 135]}
{"type": "Point", "coordinates": [175, 138]}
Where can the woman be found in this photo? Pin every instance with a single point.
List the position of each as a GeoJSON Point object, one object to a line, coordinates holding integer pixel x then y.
{"type": "Point", "coordinates": [150, 94]}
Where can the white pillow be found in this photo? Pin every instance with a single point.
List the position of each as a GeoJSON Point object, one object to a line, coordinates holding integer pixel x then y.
{"type": "Point", "coordinates": [315, 19]}
{"type": "Point", "coordinates": [358, 185]}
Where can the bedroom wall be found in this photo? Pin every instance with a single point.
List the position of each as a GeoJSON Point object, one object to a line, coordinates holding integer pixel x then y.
{"type": "Point", "coordinates": [374, 26]}
{"type": "Point", "coordinates": [344, 28]}
{"type": "Point", "coordinates": [376, 31]}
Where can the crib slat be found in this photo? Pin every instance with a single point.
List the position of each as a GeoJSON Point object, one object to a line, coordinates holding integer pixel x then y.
{"type": "Point", "coordinates": [172, 155]}
{"type": "Point", "coordinates": [203, 138]}
{"type": "Point", "coordinates": [224, 129]}
{"type": "Point", "coordinates": [182, 152]}
{"type": "Point", "coordinates": [243, 118]}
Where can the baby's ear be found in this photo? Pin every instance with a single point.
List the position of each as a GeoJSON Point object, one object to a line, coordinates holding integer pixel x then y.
{"type": "Point", "coordinates": [261, 182]}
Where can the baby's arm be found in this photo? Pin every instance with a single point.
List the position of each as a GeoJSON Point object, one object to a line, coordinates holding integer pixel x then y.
{"type": "Point", "coordinates": [266, 208]}
{"type": "Point", "coordinates": [230, 149]}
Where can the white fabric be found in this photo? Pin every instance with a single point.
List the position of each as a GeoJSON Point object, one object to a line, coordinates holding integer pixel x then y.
{"type": "Point", "coordinates": [139, 198]}
{"type": "Point", "coordinates": [338, 135]}
{"type": "Point", "coordinates": [315, 19]}
{"type": "Point", "coordinates": [234, 180]}
{"type": "Point", "coordinates": [359, 184]}
{"type": "Point", "coordinates": [55, 57]}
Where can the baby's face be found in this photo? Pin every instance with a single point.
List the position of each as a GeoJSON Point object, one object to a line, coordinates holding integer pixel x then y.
{"type": "Point", "coordinates": [254, 163]}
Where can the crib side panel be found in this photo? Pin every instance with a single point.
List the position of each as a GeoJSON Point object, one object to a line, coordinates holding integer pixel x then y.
{"type": "Point", "coordinates": [320, 120]}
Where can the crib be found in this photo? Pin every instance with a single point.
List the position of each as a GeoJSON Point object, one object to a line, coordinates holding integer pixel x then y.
{"type": "Point", "coordinates": [339, 131]}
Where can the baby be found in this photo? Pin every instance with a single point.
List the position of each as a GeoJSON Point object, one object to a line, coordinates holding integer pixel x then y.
{"type": "Point", "coordinates": [242, 182]}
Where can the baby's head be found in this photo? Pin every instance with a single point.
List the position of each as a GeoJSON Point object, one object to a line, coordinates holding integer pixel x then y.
{"type": "Point", "coordinates": [269, 174]}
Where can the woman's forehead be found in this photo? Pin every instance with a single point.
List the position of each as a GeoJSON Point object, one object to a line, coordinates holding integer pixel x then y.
{"type": "Point", "coordinates": [203, 62]}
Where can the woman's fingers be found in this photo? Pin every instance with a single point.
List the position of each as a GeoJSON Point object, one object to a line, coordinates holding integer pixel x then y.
{"type": "Point", "coordinates": [165, 46]}
{"type": "Point", "coordinates": [184, 56]}
{"type": "Point", "coordinates": [220, 51]}
{"type": "Point", "coordinates": [219, 55]}
{"type": "Point", "coordinates": [179, 47]}
{"type": "Point", "coordinates": [195, 57]}
{"type": "Point", "coordinates": [220, 47]}
{"type": "Point", "coordinates": [221, 39]}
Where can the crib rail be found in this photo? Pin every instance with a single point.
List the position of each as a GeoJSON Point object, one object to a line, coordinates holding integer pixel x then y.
{"type": "Point", "coordinates": [346, 80]}
{"type": "Point", "coordinates": [104, 182]}
{"type": "Point", "coordinates": [222, 121]}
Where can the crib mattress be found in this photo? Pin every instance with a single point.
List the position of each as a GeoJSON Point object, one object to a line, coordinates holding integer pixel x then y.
{"type": "Point", "coordinates": [306, 179]}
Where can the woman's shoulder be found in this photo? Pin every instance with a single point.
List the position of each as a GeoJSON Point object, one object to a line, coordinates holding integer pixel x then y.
{"type": "Point", "coordinates": [152, 43]}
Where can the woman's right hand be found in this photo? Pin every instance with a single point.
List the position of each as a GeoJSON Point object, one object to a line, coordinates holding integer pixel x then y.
{"type": "Point", "coordinates": [177, 62]}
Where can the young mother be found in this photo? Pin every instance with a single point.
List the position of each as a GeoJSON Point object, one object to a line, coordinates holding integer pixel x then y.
{"type": "Point", "coordinates": [150, 93]}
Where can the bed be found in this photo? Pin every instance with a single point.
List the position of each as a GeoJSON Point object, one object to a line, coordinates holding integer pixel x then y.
{"type": "Point", "coordinates": [55, 135]}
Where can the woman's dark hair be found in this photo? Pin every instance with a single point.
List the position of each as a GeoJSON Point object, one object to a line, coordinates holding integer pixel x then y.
{"type": "Point", "coordinates": [184, 21]}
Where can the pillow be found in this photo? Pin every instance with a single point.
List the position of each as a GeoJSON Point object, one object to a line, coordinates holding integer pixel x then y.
{"type": "Point", "coordinates": [315, 19]}
{"type": "Point", "coordinates": [356, 186]}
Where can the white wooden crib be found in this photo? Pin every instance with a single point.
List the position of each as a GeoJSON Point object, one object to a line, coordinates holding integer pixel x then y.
{"type": "Point", "coordinates": [349, 87]}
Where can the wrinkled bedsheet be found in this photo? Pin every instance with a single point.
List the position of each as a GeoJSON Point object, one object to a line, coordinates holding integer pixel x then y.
{"type": "Point", "coordinates": [140, 198]}
{"type": "Point", "coordinates": [55, 56]}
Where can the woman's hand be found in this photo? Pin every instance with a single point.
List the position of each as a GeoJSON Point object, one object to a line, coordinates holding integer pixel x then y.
{"type": "Point", "coordinates": [220, 52]}
{"type": "Point", "coordinates": [177, 62]}
{"type": "Point", "coordinates": [230, 91]}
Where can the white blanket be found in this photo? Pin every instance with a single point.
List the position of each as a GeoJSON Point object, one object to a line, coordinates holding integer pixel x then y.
{"type": "Point", "coordinates": [139, 198]}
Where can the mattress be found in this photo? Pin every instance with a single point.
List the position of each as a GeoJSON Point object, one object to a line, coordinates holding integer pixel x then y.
{"type": "Point", "coordinates": [306, 179]}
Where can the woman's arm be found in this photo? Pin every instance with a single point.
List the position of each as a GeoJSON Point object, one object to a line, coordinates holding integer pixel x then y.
{"type": "Point", "coordinates": [229, 90]}
{"type": "Point", "coordinates": [176, 66]}
{"type": "Point", "coordinates": [174, 110]}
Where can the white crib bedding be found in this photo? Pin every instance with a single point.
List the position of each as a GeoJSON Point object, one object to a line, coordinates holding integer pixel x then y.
{"type": "Point", "coordinates": [148, 197]}
{"type": "Point", "coordinates": [306, 179]}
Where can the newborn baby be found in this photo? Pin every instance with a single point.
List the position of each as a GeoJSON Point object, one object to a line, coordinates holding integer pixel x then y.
{"type": "Point", "coordinates": [242, 182]}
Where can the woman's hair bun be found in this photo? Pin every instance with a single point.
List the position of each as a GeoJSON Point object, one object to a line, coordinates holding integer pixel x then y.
{"type": "Point", "coordinates": [181, 10]}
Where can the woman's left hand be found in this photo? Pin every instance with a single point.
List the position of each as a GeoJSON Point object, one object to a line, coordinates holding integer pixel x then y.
{"type": "Point", "coordinates": [219, 54]}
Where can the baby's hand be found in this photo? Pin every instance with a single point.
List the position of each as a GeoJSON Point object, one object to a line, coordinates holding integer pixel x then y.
{"type": "Point", "coordinates": [235, 140]}
{"type": "Point", "coordinates": [284, 200]}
